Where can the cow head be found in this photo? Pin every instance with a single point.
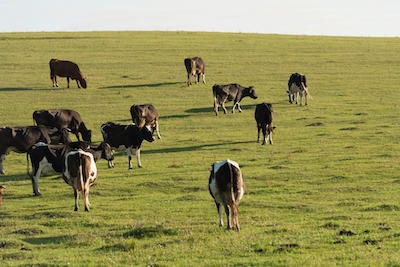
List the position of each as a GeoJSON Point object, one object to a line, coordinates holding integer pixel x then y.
{"type": "Point", "coordinates": [250, 92]}
{"type": "Point", "coordinates": [87, 135]}
{"type": "Point", "coordinates": [83, 82]}
{"type": "Point", "coordinates": [107, 154]}
{"type": "Point", "coordinates": [147, 133]}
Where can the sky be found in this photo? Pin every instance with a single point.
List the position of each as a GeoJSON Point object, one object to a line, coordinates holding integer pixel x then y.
{"type": "Point", "coordinates": [310, 17]}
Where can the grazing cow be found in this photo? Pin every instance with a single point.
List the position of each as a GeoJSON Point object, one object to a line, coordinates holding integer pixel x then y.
{"type": "Point", "coordinates": [128, 137]}
{"type": "Point", "coordinates": [231, 92]}
{"type": "Point", "coordinates": [63, 118]}
{"type": "Point", "coordinates": [1, 194]}
{"type": "Point", "coordinates": [264, 116]}
{"type": "Point", "coordinates": [297, 86]}
{"type": "Point", "coordinates": [80, 172]}
{"type": "Point", "coordinates": [195, 67]}
{"type": "Point", "coordinates": [21, 139]}
{"type": "Point", "coordinates": [64, 68]}
{"type": "Point", "coordinates": [46, 158]}
{"type": "Point", "coordinates": [145, 114]}
{"type": "Point", "coordinates": [226, 186]}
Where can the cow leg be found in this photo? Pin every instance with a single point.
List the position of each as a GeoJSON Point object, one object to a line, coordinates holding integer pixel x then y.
{"type": "Point", "coordinates": [197, 78]}
{"type": "Point", "coordinates": [85, 196]}
{"type": "Point", "coordinates": [220, 211]}
{"type": "Point", "coordinates": [297, 97]}
{"type": "Point", "coordinates": [189, 79]}
{"type": "Point", "coordinates": [238, 104]}
{"type": "Point", "coordinates": [77, 136]}
{"type": "Point", "coordinates": [76, 195]}
{"type": "Point", "coordinates": [55, 79]}
{"type": "Point", "coordinates": [258, 132]}
{"type": "Point", "coordinates": [35, 179]}
{"type": "Point", "coordinates": [223, 107]}
{"type": "Point", "coordinates": [264, 131]}
{"type": "Point", "coordinates": [138, 157]}
{"type": "Point", "coordinates": [305, 96]}
{"type": "Point", "coordinates": [204, 78]}
{"type": "Point", "coordinates": [158, 130]}
{"type": "Point", "coordinates": [215, 106]}
{"type": "Point", "coordinates": [228, 216]}
{"type": "Point", "coordinates": [67, 82]}
{"type": "Point", "coordinates": [77, 84]}
{"type": "Point", "coordinates": [301, 98]}
{"type": "Point", "coordinates": [233, 108]}
{"type": "Point", "coordinates": [235, 217]}
{"type": "Point", "coordinates": [2, 157]}
{"type": "Point", "coordinates": [129, 152]}
{"type": "Point", "coordinates": [270, 135]}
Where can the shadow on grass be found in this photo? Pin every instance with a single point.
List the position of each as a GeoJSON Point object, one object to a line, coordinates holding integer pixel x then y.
{"type": "Point", "coordinates": [174, 116]}
{"type": "Point", "coordinates": [211, 109]}
{"type": "Point", "coordinates": [142, 85]}
{"type": "Point", "coordinates": [14, 177]}
{"type": "Point", "coordinates": [49, 240]}
{"type": "Point", "coordinates": [152, 231]}
{"type": "Point", "coordinates": [190, 148]}
{"type": "Point", "coordinates": [12, 89]}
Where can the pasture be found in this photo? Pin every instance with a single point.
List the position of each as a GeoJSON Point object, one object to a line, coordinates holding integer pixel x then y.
{"type": "Point", "coordinates": [326, 193]}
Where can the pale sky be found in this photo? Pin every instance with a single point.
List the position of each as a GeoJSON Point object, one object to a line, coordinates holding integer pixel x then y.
{"type": "Point", "coordinates": [311, 17]}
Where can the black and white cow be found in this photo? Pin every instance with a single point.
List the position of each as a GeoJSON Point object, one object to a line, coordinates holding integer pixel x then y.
{"type": "Point", "coordinates": [80, 172]}
{"type": "Point", "coordinates": [297, 86]}
{"type": "Point", "coordinates": [47, 158]}
{"type": "Point", "coordinates": [264, 116]}
{"type": "Point", "coordinates": [128, 137]}
{"type": "Point", "coordinates": [224, 93]}
{"type": "Point", "coordinates": [226, 185]}
{"type": "Point", "coordinates": [21, 139]}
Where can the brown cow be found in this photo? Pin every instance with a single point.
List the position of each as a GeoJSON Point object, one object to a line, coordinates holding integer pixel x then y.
{"type": "Point", "coordinates": [194, 67]}
{"type": "Point", "coordinates": [64, 68]}
{"type": "Point", "coordinates": [80, 173]}
{"type": "Point", "coordinates": [145, 114]}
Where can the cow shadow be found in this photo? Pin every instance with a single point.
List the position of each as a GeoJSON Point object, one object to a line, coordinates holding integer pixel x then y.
{"type": "Point", "coordinates": [12, 89]}
{"type": "Point", "coordinates": [14, 177]}
{"type": "Point", "coordinates": [142, 85]}
{"type": "Point", "coordinates": [211, 109]}
{"type": "Point", "coordinates": [49, 240]}
{"type": "Point", "coordinates": [179, 116]}
{"type": "Point", "coordinates": [191, 148]}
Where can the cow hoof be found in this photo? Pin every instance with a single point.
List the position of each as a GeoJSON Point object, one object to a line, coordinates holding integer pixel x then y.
{"type": "Point", "coordinates": [140, 167]}
{"type": "Point", "coordinates": [2, 172]}
{"type": "Point", "coordinates": [130, 168]}
{"type": "Point", "coordinates": [86, 209]}
{"type": "Point", "coordinates": [76, 209]}
{"type": "Point", "coordinates": [37, 194]}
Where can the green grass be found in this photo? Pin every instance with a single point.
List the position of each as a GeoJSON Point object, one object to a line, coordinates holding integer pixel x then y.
{"type": "Point", "coordinates": [333, 169]}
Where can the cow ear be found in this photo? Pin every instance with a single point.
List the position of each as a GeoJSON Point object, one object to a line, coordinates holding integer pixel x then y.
{"type": "Point", "coordinates": [210, 168]}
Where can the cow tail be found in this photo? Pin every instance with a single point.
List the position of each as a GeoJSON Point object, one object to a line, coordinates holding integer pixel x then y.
{"type": "Point", "coordinates": [233, 184]}
{"type": "Point", "coordinates": [82, 176]}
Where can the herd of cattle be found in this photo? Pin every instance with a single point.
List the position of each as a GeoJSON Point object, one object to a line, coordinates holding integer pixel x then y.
{"type": "Point", "coordinates": [49, 148]}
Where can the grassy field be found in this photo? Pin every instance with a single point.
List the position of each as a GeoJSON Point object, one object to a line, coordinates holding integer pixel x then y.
{"type": "Point", "coordinates": [326, 193]}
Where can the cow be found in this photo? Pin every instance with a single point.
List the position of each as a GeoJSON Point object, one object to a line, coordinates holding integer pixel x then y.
{"type": "Point", "coordinates": [46, 158]}
{"type": "Point", "coordinates": [63, 118]}
{"type": "Point", "coordinates": [64, 68]}
{"type": "Point", "coordinates": [21, 139]}
{"type": "Point", "coordinates": [80, 172]}
{"type": "Point", "coordinates": [128, 137]}
{"type": "Point", "coordinates": [297, 86]}
{"type": "Point", "coordinates": [195, 67]}
{"type": "Point", "coordinates": [224, 93]}
{"type": "Point", "coordinates": [226, 186]}
{"type": "Point", "coordinates": [145, 114]}
{"type": "Point", "coordinates": [264, 116]}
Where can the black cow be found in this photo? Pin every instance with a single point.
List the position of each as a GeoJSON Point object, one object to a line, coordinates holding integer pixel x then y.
{"type": "Point", "coordinates": [264, 116]}
{"type": "Point", "coordinates": [21, 139]}
{"type": "Point", "coordinates": [63, 118]}
{"type": "Point", "coordinates": [297, 86]}
{"type": "Point", "coordinates": [224, 93]}
{"type": "Point", "coordinates": [128, 137]}
{"type": "Point", "coordinates": [46, 158]}
{"type": "Point", "coordinates": [145, 114]}
{"type": "Point", "coordinates": [195, 67]}
{"type": "Point", "coordinates": [226, 186]}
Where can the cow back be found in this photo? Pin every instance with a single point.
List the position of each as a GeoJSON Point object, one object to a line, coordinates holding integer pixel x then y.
{"type": "Point", "coordinates": [264, 113]}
